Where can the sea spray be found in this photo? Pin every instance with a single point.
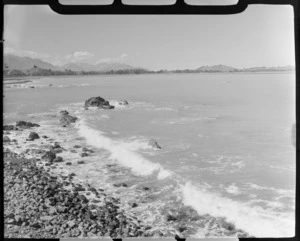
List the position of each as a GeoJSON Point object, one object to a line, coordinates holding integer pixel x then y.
{"type": "Point", "coordinates": [126, 157]}
{"type": "Point", "coordinates": [254, 220]}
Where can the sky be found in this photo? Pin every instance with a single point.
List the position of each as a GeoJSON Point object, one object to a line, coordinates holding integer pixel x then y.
{"type": "Point", "coordinates": [262, 35]}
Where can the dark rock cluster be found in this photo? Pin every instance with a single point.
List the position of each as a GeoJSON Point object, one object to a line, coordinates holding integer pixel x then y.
{"type": "Point", "coordinates": [25, 124]}
{"type": "Point", "coordinates": [98, 102]}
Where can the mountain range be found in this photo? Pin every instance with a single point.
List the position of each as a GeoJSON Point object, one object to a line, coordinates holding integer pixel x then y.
{"type": "Point", "coordinates": [24, 65]}
{"type": "Point", "coordinates": [13, 62]}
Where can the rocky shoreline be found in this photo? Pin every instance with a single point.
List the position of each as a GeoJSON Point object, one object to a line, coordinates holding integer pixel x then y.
{"type": "Point", "coordinates": [41, 204]}
{"type": "Point", "coordinates": [38, 205]}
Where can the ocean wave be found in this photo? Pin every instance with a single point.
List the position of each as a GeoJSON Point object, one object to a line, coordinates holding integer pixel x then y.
{"type": "Point", "coordinates": [121, 153]}
{"type": "Point", "coordinates": [253, 219]}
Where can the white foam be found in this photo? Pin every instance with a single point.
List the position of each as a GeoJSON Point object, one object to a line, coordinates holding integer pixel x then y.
{"type": "Point", "coordinates": [121, 153]}
{"type": "Point", "coordinates": [252, 219]}
{"type": "Point", "coordinates": [233, 189]}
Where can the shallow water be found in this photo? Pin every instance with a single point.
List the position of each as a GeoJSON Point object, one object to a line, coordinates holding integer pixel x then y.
{"type": "Point", "coordinates": [225, 138]}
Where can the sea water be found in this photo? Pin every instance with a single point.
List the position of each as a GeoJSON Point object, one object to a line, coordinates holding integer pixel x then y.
{"type": "Point", "coordinates": [226, 142]}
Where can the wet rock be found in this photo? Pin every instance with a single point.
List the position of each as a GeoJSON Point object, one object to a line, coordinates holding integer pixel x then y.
{"type": "Point", "coordinates": [146, 188]}
{"type": "Point", "coordinates": [153, 143]}
{"type": "Point", "coordinates": [9, 128]}
{"type": "Point", "coordinates": [67, 120]}
{"type": "Point", "coordinates": [134, 205]}
{"type": "Point", "coordinates": [45, 137]}
{"type": "Point", "coordinates": [33, 136]}
{"type": "Point", "coordinates": [25, 124]}
{"type": "Point", "coordinates": [80, 162]}
{"type": "Point", "coordinates": [77, 146]}
{"type": "Point", "coordinates": [83, 154]}
{"type": "Point", "coordinates": [49, 156]}
{"type": "Point", "coordinates": [92, 189]}
{"type": "Point", "coordinates": [58, 159]}
{"type": "Point", "coordinates": [6, 139]}
{"type": "Point", "coordinates": [98, 102]}
{"type": "Point", "coordinates": [68, 163]}
{"type": "Point", "coordinates": [64, 112]}
{"type": "Point", "coordinates": [123, 102]}
{"type": "Point", "coordinates": [84, 149]}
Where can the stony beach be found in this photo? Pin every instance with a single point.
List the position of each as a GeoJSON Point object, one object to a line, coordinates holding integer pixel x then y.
{"type": "Point", "coordinates": [42, 205]}
{"type": "Point", "coordinates": [38, 205]}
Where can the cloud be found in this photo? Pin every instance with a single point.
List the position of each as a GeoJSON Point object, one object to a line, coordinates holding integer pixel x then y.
{"type": "Point", "coordinates": [77, 56]}
{"type": "Point", "coordinates": [120, 58]}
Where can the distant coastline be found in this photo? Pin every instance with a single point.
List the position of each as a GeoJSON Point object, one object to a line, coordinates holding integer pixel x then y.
{"type": "Point", "coordinates": [15, 66]}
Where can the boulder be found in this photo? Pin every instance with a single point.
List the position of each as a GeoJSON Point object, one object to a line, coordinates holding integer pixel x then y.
{"type": "Point", "coordinates": [49, 156]}
{"type": "Point", "coordinates": [25, 124]}
{"type": "Point", "coordinates": [64, 112]}
{"type": "Point", "coordinates": [153, 143]}
{"type": "Point", "coordinates": [9, 128]}
{"type": "Point", "coordinates": [98, 102]}
{"type": "Point", "coordinates": [83, 154]}
{"type": "Point", "coordinates": [6, 139]}
{"type": "Point", "coordinates": [67, 119]}
{"type": "Point", "coordinates": [84, 149]}
{"type": "Point", "coordinates": [58, 159]}
{"type": "Point", "coordinates": [32, 136]}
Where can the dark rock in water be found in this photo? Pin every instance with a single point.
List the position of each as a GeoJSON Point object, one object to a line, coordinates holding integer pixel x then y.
{"type": "Point", "coordinates": [68, 163]}
{"type": "Point", "coordinates": [123, 102]}
{"type": "Point", "coordinates": [9, 128]}
{"type": "Point", "coordinates": [83, 154]}
{"type": "Point", "coordinates": [64, 112]}
{"type": "Point", "coordinates": [146, 188]}
{"type": "Point", "coordinates": [25, 124]}
{"type": "Point", "coordinates": [153, 143]}
{"type": "Point", "coordinates": [84, 149]}
{"type": "Point", "coordinates": [58, 159]}
{"type": "Point", "coordinates": [49, 156]}
{"type": "Point", "coordinates": [77, 146]}
{"type": "Point", "coordinates": [134, 205]}
{"type": "Point", "coordinates": [80, 162]}
{"type": "Point", "coordinates": [120, 185]}
{"type": "Point", "coordinates": [6, 139]}
{"type": "Point", "coordinates": [45, 137]}
{"type": "Point", "coordinates": [32, 136]}
{"type": "Point", "coordinates": [32, 87]}
{"type": "Point", "coordinates": [98, 102]}
{"type": "Point", "coordinates": [67, 119]}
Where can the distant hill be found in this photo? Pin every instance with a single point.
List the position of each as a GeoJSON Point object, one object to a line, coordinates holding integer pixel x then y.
{"type": "Point", "coordinates": [13, 62]}
{"type": "Point", "coordinates": [262, 69]}
{"type": "Point", "coordinates": [216, 68]}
